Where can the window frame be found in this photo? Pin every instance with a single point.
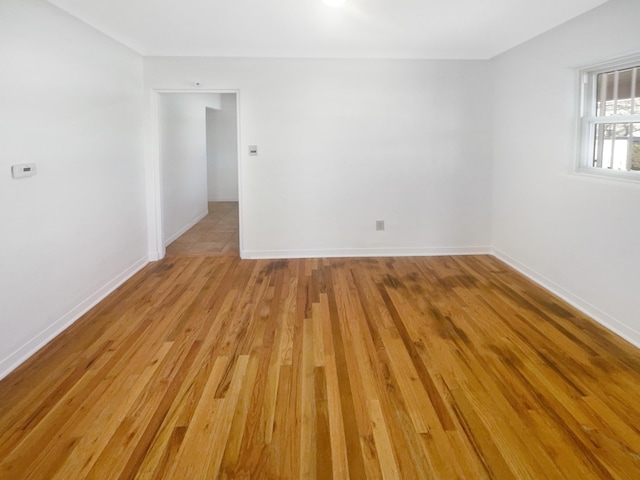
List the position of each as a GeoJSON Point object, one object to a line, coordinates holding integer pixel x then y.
{"type": "Point", "coordinates": [588, 78]}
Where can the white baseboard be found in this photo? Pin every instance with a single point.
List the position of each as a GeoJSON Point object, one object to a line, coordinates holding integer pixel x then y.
{"type": "Point", "coordinates": [364, 252]}
{"type": "Point", "coordinates": [585, 307]}
{"type": "Point", "coordinates": [192, 223]}
{"type": "Point", "coordinates": [154, 256]}
{"type": "Point", "coordinates": [10, 363]}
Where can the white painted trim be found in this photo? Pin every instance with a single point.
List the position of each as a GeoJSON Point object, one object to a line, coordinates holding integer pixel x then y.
{"type": "Point", "coordinates": [585, 307]}
{"type": "Point", "coordinates": [155, 227]}
{"type": "Point", "coordinates": [366, 252]}
{"type": "Point", "coordinates": [603, 174]}
{"type": "Point", "coordinates": [155, 208]}
{"type": "Point", "coordinates": [587, 119]}
{"type": "Point", "coordinates": [240, 165]}
{"type": "Point", "coordinates": [20, 355]}
{"type": "Point", "coordinates": [192, 223]}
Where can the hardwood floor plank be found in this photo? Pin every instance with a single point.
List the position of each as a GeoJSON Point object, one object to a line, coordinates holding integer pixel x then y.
{"type": "Point", "coordinates": [193, 458]}
{"type": "Point", "coordinates": [229, 461]}
{"type": "Point", "coordinates": [481, 438]}
{"type": "Point", "coordinates": [308, 425]}
{"type": "Point", "coordinates": [352, 435]}
{"type": "Point", "coordinates": [323, 447]}
{"type": "Point", "coordinates": [336, 421]}
{"type": "Point", "coordinates": [284, 449]}
{"type": "Point", "coordinates": [223, 421]}
{"type": "Point", "coordinates": [388, 465]}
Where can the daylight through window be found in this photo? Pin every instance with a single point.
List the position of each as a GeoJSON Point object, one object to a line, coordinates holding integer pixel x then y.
{"type": "Point", "coordinates": [611, 119]}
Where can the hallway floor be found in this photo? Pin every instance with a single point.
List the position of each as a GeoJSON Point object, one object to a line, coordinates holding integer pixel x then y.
{"type": "Point", "coordinates": [214, 235]}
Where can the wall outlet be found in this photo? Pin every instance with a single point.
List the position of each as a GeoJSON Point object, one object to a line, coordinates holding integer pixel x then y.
{"type": "Point", "coordinates": [379, 225]}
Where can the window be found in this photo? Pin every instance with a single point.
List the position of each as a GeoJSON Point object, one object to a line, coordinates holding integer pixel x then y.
{"type": "Point", "coordinates": [610, 126]}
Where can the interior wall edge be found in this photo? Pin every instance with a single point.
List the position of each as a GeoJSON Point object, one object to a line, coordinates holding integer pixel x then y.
{"type": "Point", "coordinates": [593, 312]}
{"type": "Point", "coordinates": [27, 350]}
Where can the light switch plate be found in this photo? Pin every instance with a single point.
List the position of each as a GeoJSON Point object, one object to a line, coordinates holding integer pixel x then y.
{"type": "Point", "coordinates": [253, 150]}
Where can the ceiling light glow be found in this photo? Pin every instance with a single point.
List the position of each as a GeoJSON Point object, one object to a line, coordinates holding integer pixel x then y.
{"type": "Point", "coordinates": [334, 3]}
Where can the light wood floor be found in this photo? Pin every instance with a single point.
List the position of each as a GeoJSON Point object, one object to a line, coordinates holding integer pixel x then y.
{"type": "Point", "coordinates": [215, 234]}
{"type": "Point", "coordinates": [212, 367]}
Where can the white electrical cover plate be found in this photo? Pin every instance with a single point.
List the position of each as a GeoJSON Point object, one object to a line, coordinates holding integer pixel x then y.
{"type": "Point", "coordinates": [23, 170]}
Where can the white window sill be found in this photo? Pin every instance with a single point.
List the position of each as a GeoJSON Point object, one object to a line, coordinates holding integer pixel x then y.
{"type": "Point", "coordinates": [620, 175]}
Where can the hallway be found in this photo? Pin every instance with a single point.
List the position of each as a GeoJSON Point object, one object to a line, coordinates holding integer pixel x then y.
{"type": "Point", "coordinates": [214, 235]}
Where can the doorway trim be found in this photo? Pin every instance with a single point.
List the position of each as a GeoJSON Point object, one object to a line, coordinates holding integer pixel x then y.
{"type": "Point", "coordinates": [155, 207]}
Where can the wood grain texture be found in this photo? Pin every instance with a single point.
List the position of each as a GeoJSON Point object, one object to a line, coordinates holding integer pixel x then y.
{"type": "Point", "coordinates": [206, 367]}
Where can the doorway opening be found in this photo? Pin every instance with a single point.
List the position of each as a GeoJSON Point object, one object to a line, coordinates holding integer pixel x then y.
{"type": "Point", "coordinates": [198, 169]}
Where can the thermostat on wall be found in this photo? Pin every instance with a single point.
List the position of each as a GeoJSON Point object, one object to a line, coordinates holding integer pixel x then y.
{"type": "Point", "coordinates": [23, 170]}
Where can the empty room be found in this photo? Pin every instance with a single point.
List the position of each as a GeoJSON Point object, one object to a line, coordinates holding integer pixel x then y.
{"type": "Point", "coordinates": [312, 239]}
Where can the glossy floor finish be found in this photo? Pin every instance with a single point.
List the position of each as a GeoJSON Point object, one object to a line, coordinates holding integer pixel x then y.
{"type": "Point", "coordinates": [215, 234]}
{"type": "Point", "coordinates": [400, 368]}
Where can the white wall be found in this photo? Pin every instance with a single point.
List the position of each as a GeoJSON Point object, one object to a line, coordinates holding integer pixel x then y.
{"type": "Point", "coordinates": [222, 150]}
{"type": "Point", "coordinates": [70, 101]}
{"type": "Point", "coordinates": [343, 143]}
{"type": "Point", "coordinates": [575, 233]}
{"type": "Point", "coordinates": [183, 157]}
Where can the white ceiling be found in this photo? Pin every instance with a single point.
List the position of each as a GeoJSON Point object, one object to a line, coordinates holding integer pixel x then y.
{"type": "Point", "coordinates": [470, 29]}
